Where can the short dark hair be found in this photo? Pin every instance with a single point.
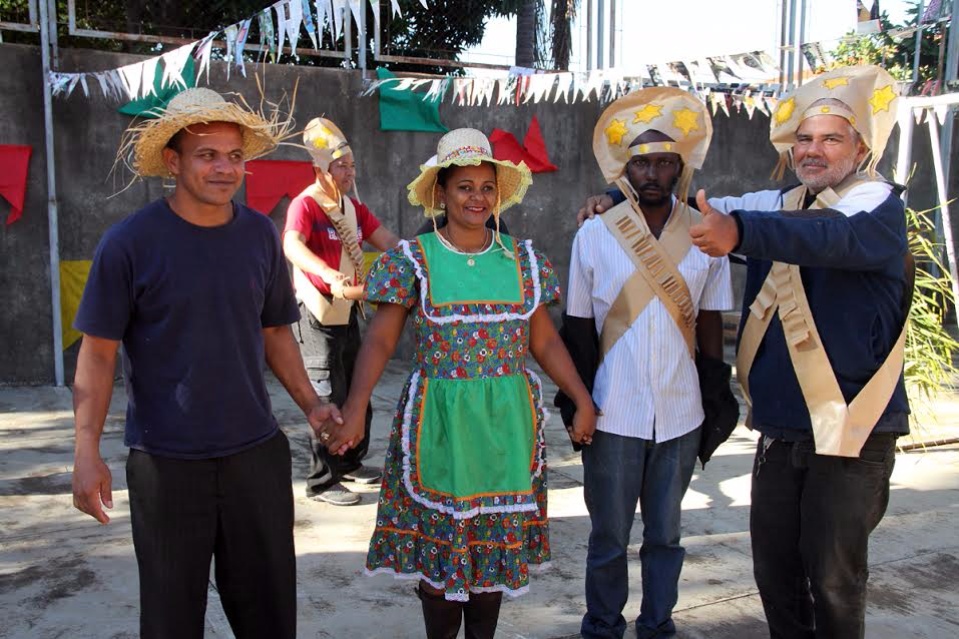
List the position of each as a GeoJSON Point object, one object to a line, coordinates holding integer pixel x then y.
{"type": "Point", "coordinates": [176, 142]}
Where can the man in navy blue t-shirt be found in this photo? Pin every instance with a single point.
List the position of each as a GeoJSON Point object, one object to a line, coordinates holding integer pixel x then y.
{"type": "Point", "coordinates": [197, 290]}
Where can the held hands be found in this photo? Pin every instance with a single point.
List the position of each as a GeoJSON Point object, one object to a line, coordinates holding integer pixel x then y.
{"type": "Point", "coordinates": [350, 433]}
{"type": "Point", "coordinates": [584, 425]}
{"type": "Point", "coordinates": [92, 486]}
{"type": "Point", "coordinates": [595, 204]}
{"type": "Point", "coordinates": [325, 420]}
{"type": "Point", "coordinates": [717, 234]}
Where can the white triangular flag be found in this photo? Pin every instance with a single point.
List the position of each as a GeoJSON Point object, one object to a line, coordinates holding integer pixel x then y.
{"type": "Point", "coordinates": [308, 23]}
{"type": "Point", "coordinates": [355, 7]}
{"type": "Point", "coordinates": [434, 92]}
{"type": "Point", "coordinates": [203, 50]}
{"type": "Point", "coordinates": [101, 78]}
{"type": "Point", "coordinates": [459, 90]}
{"type": "Point", "coordinates": [502, 91]}
{"type": "Point", "coordinates": [173, 64]}
{"type": "Point", "coordinates": [425, 6]}
{"type": "Point", "coordinates": [242, 34]}
{"type": "Point", "coordinates": [339, 7]}
{"type": "Point", "coordinates": [148, 77]}
{"type": "Point", "coordinates": [131, 75]}
{"type": "Point", "coordinates": [750, 104]}
{"type": "Point", "coordinates": [230, 34]}
{"type": "Point", "coordinates": [375, 5]}
{"type": "Point", "coordinates": [941, 111]}
{"type": "Point", "coordinates": [323, 14]}
{"type": "Point", "coordinates": [282, 10]}
{"type": "Point", "coordinates": [594, 84]}
{"type": "Point", "coordinates": [564, 82]}
{"type": "Point", "coordinates": [292, 24]}
{"type": "Point", "coordinates": [541, 85]}
{"type": "Point", "coordinates": [395, 8]}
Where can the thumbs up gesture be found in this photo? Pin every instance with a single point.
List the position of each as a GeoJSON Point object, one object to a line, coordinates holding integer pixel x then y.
{"type": "Point", "coordinates": [717, 234]}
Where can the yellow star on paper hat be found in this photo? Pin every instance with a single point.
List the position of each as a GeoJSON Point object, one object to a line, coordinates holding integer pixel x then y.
{"type": "Point", "coordinates": [882, 98]}
{"type": "Point", "coordinates": [784, 110]}
{"type": "Point", "coordinates": [648, 113]}
{"type": "Point", "coordinates": [832, 83]}
{"type": "Point", "coordinates": [615, 132]}
{"type": "Point", "coordinates": [686, 120]}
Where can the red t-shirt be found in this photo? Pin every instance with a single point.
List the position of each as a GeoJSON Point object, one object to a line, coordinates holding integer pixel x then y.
{"type": "Point", "coordinates": [305, 216]}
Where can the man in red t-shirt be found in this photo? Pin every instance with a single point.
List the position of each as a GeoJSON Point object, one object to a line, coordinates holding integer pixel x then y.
{"type": "Point", "coordinates": [323, 238]}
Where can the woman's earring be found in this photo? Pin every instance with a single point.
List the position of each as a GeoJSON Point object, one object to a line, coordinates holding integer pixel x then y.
{"type": "Point", "coordinates": [442, 206]}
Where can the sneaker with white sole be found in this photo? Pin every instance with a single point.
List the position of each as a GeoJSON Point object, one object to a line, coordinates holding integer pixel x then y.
{"type": "Point", "coordinates": [337, 495]}
{"type": "Point", "coordinates": [364, 475]}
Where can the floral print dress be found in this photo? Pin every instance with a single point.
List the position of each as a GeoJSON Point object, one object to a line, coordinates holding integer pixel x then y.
{"type": "Point", "coordinates": [463, 500]}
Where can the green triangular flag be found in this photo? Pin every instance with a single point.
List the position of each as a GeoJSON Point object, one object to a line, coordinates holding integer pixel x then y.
{"type": "Point", "coordinates": [148, 106]}
{"type": "Point", "coordinates": [406, 110]}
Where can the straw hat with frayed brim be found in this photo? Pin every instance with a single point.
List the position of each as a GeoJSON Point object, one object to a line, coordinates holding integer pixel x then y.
{"type": "Point", "coordinates": [145, 142]}
{"type": "Point", "coordinates": [468, 147]}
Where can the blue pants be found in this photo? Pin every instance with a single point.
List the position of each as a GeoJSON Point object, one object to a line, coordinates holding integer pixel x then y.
{"type": "Point", "coordinates": [618, 473]}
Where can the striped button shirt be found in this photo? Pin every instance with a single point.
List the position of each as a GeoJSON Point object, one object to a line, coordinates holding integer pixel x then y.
{"type": "Point", "coordinates": [646, 386]}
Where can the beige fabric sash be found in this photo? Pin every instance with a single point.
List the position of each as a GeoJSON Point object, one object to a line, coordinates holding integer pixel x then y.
{"type": "Point", "coordinates": [656, 273]}
{"type": "Point", "coordinates": [334, 312]}
{"type": "Point", "coordinates": [838, 429]}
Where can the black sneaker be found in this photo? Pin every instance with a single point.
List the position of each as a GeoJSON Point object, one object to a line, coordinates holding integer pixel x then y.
{"type": "Point", "coordinates": [364, 475]}
{"type": "Point", "coordinates": [337, 495]}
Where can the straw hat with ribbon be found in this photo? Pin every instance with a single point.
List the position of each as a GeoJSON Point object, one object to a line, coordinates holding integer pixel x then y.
{"type": "Point", "coordinates": [146, 141]}
{"type": "Point", "coordinates": [462, 147]}
{"type": "Point", "coordinates": [866, 96]}
{"type": "Point", "coordinates": [673, 112]}
{"type": "Point", "coordinates": [469, 147]}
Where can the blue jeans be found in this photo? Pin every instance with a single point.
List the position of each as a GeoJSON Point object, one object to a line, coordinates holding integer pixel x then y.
{"type": "Point", "coordinates": [618, 473]}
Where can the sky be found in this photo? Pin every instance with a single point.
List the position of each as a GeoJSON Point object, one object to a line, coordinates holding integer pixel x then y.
{"type": "Point", "coordinates": [652, 31]}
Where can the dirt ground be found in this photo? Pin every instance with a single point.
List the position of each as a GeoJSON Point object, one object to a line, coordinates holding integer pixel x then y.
{"type": "Point", "coordinates": [63, 575]}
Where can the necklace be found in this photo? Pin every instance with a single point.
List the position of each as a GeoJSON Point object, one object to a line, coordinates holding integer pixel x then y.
{"type": "Point", "coordinates": [450, 245]}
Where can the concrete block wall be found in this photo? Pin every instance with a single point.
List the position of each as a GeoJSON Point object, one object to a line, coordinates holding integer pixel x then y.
{"type": "Point", "coordinates": [92, 196]}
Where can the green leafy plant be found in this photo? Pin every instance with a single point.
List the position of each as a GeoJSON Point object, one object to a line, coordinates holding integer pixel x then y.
{"type": "Point", "coordinates": [930, 348]}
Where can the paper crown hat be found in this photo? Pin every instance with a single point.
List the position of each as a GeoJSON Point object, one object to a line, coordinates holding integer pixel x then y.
{"type": "Point", "coordinates": [866, 96]}
{"type": "Point", "coordinates": [325, 142]}
{"type": "Point", "coordinates": [461, 147]}
{"type": "Point", "coordinates": [146, 141]}
{"type": "Point", "coordinates": [673, 112]}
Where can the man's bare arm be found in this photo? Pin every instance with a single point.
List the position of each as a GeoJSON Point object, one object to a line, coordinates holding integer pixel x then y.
{"type": "Point", "coordinates": [92, 390]}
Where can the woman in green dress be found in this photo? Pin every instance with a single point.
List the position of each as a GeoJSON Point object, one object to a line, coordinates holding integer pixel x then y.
{"type": "Point", "coordinates": [463, 502]}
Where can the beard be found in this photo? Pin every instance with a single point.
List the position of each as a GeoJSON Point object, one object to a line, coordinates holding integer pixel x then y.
{"type": "Point", "coordinates": [832, 175]}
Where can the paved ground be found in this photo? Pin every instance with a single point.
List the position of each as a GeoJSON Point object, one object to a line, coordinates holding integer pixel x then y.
{"type": "Point", "coordinates": [63, 575]}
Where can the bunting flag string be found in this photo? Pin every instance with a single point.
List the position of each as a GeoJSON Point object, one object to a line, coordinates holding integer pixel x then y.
{"type": "Point", "coordinates": [135, 81]}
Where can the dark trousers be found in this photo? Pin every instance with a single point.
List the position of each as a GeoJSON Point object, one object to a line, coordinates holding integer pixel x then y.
{"type": "Point", "coordinates": [810, 522]}
{"type": "Point", "coordinates": [237, 509]}
{"type": "Point", "coordinates": [329, 353]}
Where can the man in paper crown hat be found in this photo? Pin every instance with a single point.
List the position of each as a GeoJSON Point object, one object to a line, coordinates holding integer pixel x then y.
{"type": "Point", "coordinates": [821, 346]}
{"type": "Point", "coordinates": [323, 238]}
{"type": "Point", "coordinates": [637, 282]}
{"type": "Point", "coordinates": [196, 288]}
{"type": "Point", "coordinates": [820, 355]}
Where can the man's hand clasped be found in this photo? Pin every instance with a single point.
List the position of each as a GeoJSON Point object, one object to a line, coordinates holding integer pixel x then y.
{"type": "Point", "coordinates": [326, 421]}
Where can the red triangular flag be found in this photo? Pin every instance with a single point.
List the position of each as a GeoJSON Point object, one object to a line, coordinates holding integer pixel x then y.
{"type": "Point", "coordinates": [538, 161]}
{"type": "Point", "coordinates": [269, 180]}
{"type": "Point", "coordinates": [14, 163]}
{"type": "Point", "coordinates": [533, 152]}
